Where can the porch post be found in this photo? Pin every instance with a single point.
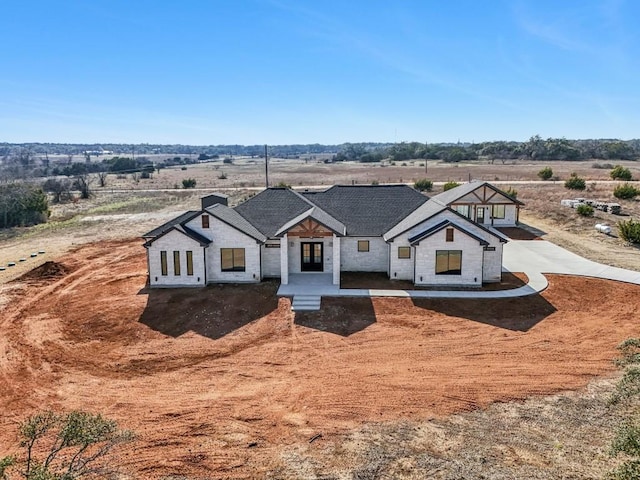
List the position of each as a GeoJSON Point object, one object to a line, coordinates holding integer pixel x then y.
{"type": "Point", "coordinates": [284, 259]}
{"type": "Point", "coordinates": [336, 260]}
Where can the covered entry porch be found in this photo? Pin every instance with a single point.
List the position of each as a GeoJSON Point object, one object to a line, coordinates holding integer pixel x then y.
{"type": "Point", "coordinates": [310, 254]}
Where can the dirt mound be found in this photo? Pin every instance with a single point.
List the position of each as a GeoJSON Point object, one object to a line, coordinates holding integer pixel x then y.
{"type": "Point", "coordinates": [48, 270]}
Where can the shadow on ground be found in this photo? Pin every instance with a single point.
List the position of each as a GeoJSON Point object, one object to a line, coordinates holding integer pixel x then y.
{"type": "Point", "coordinates": [517, 314]}
{"type": "Point", "coordinates": [213, 311]}
{"type": "Point", "coordinates": [339, 317]}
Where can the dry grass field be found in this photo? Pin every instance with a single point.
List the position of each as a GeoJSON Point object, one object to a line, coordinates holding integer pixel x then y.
{"type": "Point", "coordinates": [250, 173]}
{"type": "Point", "coordinates": [219, 387]}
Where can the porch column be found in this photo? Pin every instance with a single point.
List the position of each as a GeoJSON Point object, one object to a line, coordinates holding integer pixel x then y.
{"type": "Point", "coordinates": [336, 260]}
{"type": "Point", "coordinates": [284, 260]}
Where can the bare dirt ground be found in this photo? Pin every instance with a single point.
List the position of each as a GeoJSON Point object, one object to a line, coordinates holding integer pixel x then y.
{"type": "Point", "coordinates": [217, 386]}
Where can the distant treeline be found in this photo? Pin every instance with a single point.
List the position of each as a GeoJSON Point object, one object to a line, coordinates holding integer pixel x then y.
{"type": "Point", "coordinates": [536, 148]}
{"type": "Point", "coordinates": [41, 149]}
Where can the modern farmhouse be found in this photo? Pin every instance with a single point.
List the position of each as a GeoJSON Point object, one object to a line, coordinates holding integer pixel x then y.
{"type": "Point", "coordinates": [448, 239]}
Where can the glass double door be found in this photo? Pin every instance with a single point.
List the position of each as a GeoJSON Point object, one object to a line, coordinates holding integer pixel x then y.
{"type": "Point", "coordinates": [311, 256]}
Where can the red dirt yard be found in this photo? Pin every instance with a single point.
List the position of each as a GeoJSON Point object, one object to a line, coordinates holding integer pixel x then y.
{"type": "Point", "coordinates": [218, 382]}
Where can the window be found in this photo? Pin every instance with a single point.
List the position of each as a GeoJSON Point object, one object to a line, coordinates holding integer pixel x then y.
{"type": "Point", "coordinates": [205, 221]}
{"type": "Point", "coordinates": [497, 211]}
{"type": "Point", "coordinates": [232, 259]}
{"type": "Point", "coordinates": [163, 263]}
{"type": "Point", "coordinates": [189, 262]}
{"type": "Point", "coordinates": [404, 252]}
{"type": "Point", "coordinates": [449, 234]}
{"type": "Point", "coordinates": [363, 245]}
{"type": "Point", "coordinates": [176, 263]}
{"type": "Point", "coordinates": [463, 210]}
{"type": "Point", "coordinates": [448, 262]}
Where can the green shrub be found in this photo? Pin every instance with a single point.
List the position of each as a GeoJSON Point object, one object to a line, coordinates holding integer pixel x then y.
{"type": "Point", "coordinates": [625, 191]}
{"type": "Point", "coordinates": [620, 173]}
{"type": "Point", "coordinates": [189, 183]}
{"type": "Point", "coordinates": [423, 185]}
{"type": "Point", "coordinates": [629, 231]}
{"type": "Point", "coordinates": [546, 173]}
{"type": "Point", "coordinates": [575, 182]}
{"type": "Point", "coordinates": [585, 210]}
{"type": "Point", "coordinates": [450, 185]}
{"type": "Point", "coordinates": [512, 192]}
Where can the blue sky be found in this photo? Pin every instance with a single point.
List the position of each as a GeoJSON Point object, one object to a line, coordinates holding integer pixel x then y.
{"type": "Point", "coordinates": [286, 71]}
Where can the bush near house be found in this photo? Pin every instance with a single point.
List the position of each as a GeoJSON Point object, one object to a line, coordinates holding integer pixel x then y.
{"type": "Point", "coordinates": [546, 173]}
{"type": "Point", "coordinates": [575, 182]}
{"type": "Point", "coordinates": [423, 185]}
{"type": "Point", "coordinates": [450, 185]}
{"type": "Point", "coordinates": [189, 183]}
{"type": "Point", "coordinates": [585, 210]}
{"type": "Point", "coordinates": [625, 191]}
{"type": "Point", "coordinates": [621, 173]}
{"type": "Point", "coordinates": [629, 230]}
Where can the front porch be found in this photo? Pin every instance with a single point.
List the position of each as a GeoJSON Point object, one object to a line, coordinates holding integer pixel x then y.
{"type": "Point", "coordinates": [309, 284]}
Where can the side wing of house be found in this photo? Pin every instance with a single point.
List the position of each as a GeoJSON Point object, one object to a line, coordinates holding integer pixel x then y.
{"type": "Point", "coordinates": [233, 255]}
{"type": "Point", "coordinates": [176, 259]}
{"type": "Point", "coordinates": [483, 203]}
{"type": "Point", "coordinates": [446, 249]}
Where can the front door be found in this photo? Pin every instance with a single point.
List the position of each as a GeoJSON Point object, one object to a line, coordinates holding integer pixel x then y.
{"type": "Point", "coordinates": [311, 256]}
{"type": "Point", "coordinates": [480, 215]}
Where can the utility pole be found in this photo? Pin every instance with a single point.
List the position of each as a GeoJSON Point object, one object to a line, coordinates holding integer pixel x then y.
{"type": "Point", "coordinates": [266, 167]}
{"type": "Point", "coordinates": [426, 154]}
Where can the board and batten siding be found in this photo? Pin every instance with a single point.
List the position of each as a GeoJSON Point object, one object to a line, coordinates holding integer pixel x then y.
{"type": "Point", "coordinates": [271, 259]}
{"type": "Point", "coordinates": [375, 260]}
{"type": "Point", "coordinates": [225, 236]}
{"type": "Point", "coordinates": [176, 241]}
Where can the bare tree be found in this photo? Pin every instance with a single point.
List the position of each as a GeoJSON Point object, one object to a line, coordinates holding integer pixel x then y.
{"type": "Point", "coordinates": [60, 189]}
{"type": "Point", "coordinates": [83, 183]}
{"type": "Point", "coordinates": [102, 179]}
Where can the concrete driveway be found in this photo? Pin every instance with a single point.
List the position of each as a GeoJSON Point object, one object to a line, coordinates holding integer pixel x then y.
{"type": "Point", "coordinates": [539, 256]}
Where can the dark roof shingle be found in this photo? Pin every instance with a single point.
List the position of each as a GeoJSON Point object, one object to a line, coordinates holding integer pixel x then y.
{"type": "Point", "coordinates": [368, 210]}
{"type": "Point", "coordinates": [272, 208]}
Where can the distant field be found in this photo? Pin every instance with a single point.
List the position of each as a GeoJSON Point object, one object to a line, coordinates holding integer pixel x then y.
{"type": "Point", "coordinates": [251, 173]}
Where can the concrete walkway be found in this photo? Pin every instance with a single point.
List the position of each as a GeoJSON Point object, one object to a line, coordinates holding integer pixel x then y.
{"type": "Point", "coordinates": [532, 257]}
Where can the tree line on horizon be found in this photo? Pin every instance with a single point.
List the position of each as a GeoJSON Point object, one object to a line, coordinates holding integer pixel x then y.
{"type": "Point", "coordinates": [536, 148]}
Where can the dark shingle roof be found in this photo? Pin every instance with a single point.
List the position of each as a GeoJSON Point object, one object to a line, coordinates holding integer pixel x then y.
{"type": "Point", "coordinates": [182, 229]}
{"type": "Point", "coordinates": [368, 210]}
{"type": "Point", "coordinates": [272, 208]}
{"type": "Point", "coordinates": [179, 220]}
{"type": "Point", "coordinates": [420, 214]}
{"type": "Point", "coordinates": [234, 219]}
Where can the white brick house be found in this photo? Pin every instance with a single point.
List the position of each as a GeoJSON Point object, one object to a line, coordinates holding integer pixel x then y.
{"type": "Point", "coordinates": [392, 229]}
